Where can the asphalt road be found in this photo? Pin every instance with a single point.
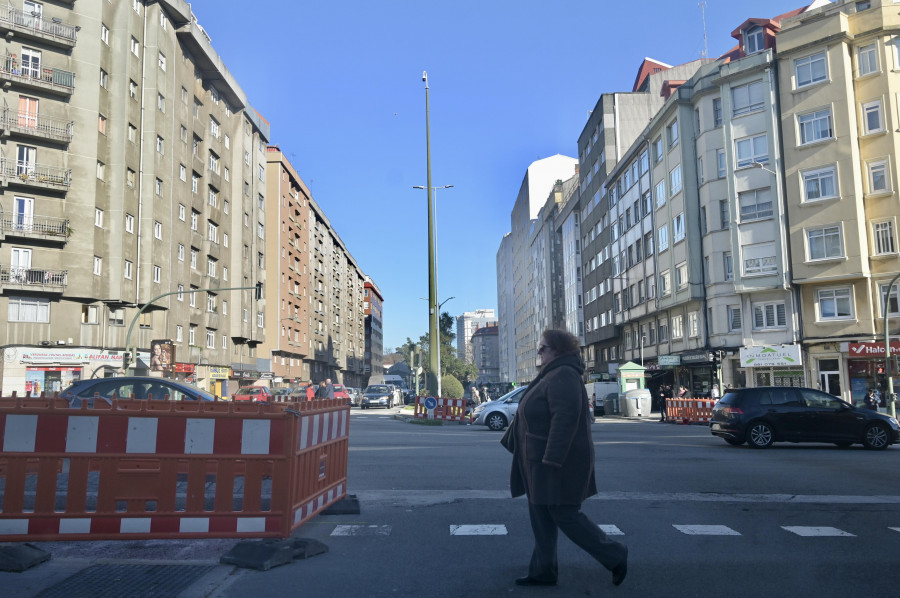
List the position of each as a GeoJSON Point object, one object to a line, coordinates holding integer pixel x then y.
{"type": "Point", "coordinates": [700, 517]}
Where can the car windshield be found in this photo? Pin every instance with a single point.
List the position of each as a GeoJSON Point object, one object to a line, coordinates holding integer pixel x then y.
{"type": "Point", "coordinates": [376, 389]}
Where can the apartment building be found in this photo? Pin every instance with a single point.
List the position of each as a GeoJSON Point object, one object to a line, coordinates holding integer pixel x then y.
{"type": "Point", "coordinates": [373, 363]}
{"type": "Point", "coordinates": [567, 262]}
{"type": "Point", "coordinates": [132, 166]}
{"type": "Point", "coordinates": [466, 325]}
{"type": "Point", "coordinates": [485, 351]}
{"type": "Point", "coordinates": [837, 69]}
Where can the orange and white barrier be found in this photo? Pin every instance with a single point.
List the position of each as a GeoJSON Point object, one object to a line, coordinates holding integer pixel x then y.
{"type": "Point", "coordinates": [168, 469]}
{"type": "Point", "coordinates": [689, 411]}
{"type": "Point", "coordinates": [445, 409]}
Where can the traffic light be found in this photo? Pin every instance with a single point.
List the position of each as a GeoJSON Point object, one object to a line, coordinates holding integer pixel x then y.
{"type": "Point", "coordinates": [258, 291]}
{"type": "Point", "coordinates": [126, 359]}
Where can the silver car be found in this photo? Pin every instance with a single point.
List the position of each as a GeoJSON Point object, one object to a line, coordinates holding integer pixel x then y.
{"type": "Point", "coordinates": [497, 414]}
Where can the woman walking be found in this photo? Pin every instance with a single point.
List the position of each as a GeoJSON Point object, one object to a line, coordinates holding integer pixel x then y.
{"type": "Point", "coordinates": [553, 463]}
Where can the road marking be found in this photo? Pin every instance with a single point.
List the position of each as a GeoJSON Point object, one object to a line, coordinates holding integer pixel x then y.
{"type": "Point", "coordinates": [611, 530]}
{"type": "Point", "coordinates": [810, 531]}
{"type": "Point", "coordinates": [896, 529]}
{"type": "Point", "coordinates": [362, 530]}
{"type": "Point", "coordinates": [706, 530]}
{"type": "Point", "coordinates": [478, 530]}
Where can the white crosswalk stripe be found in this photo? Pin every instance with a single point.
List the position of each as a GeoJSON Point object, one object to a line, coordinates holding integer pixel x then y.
{"type": "Point", "coordinates": [611, 530]}
{"type": "Point", "coordinates": [362, 530]}
{"type": "Point", "coordinates": [706, 530]}
{"type": "Point", "coordinates": [896, 529]}
{"type": "Point", "coordinates": [810, 531]}
{"type": "Point", "coordinates": [478, 530]}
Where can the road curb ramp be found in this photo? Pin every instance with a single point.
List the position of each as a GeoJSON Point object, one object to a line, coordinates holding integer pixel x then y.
{"type": "Point", "coordinates": [19, 557]}
{"type": "Point", "coordinates": [349, 505]}
{"type": "Point", "coordinates": [266, 554]}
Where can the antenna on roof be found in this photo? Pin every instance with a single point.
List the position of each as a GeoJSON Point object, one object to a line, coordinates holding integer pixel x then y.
{"type": "Point", "coordinates": [705, 53]}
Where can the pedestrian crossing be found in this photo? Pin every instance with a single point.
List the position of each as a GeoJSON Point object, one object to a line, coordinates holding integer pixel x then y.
{"type": "Point", "coordinates": [493, 529]}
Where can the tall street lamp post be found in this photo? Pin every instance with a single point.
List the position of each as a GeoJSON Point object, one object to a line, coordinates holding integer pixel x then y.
{"type": "Point", "coordinates": [433, 332]}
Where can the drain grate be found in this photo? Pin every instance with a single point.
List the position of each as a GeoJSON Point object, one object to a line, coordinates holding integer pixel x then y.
{"type": "Point", "coordinates": [128, 581]}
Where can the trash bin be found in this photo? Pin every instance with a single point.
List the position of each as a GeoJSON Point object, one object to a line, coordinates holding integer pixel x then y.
{"type": "Point", "coordinates": [611, 404]}
{"type": "Point", "coordinates": [637, 402]}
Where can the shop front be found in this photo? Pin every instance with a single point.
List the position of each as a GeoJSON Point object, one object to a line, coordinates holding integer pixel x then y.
{"type": "Point", "coordinates": [698, 372]}
{"type": "Point", "coordinates": [36, 370]}
{"type": "Point", "coordinates": [866, 369]}
{"type": "Point", "coordinates": [773, 365]}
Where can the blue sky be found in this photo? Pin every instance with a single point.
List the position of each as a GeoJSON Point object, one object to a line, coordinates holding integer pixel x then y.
{"type": "Point", "coordinates": [510, 83]}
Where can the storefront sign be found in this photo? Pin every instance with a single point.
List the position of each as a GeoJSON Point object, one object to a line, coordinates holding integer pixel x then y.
{"type": "Point", "coordinates": [69, 356]}
{"type": "Point", "coordinates": [184, 368]}
{"type": "Point", "coordinates": [669, 360]}
{"type": "Point", "coordinates": [775, 356]}
{"type": "Point", "coordinates": [696, 357]}
{"type": "Point", "coordinates": [218, 372]}
{"type": "Point", "coordinates": [872, 349]}
{"type": "Point", "coordinates": [266, 375]}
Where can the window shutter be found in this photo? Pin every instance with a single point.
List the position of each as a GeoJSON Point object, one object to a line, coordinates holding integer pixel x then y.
{"type": "Point", "coordinates": [758, 317]}
{"type": "Point", "coordinates": [780, 314]}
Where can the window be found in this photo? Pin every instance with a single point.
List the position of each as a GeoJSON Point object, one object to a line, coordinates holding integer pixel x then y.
{"type": "Point", "coordinates": [753, 40]}
{"type": "Point", "coordinates": [158, 187]}
{"type": "Point", "coordinates": [104, 34]}
{"type": "Point", "coordinates": [160, 145]}
{"type": "Point", "coordinates": [819, 184]}
{"type": "Point", "coordinates": [213, 127]}
{"type": "Point", "coordinates": [157, 274]}
{"type": "Point", "coordinates": [213, 197]}
{"type": "Point", "coordinates": [810, 69]}
{"type": "Point", "coordinates": [866, 60]}
{"type": "Point", "coordinates": [194, 254]}
{"type": "Point", "coordinates": [724, 214]}
{"type": "Point", "coordinates": [755, 205]}
{"type": "Point", "coordinates": [180, 253]}
{"type": "Point", "coordinates": [128, 269]}
{"type": "Point", "coordinates": [210, 339]}
{"type": "Point", "coordinates": [98, 217]}
{"type": "Point", "coordinates": [98, 265]}
{"type": "Point", "coordinates": [104, 79]}
{"type": "Point", "coordinates": [135, 47]}
{"type": "Point", "coordinates": [117, 317]}
{"type": "Point", "coordinates": [162, 61]}
{"type": "Point", "coordinates": [878, 180]}
{"type": "Point", "coordinates": [759, 259]}
{"type": "Point", "coordinates": [727, 265]}
{"type": "Point", "coordinates": [211, 303]}
{"type": "Point", "coordinates": [180, 295]}
{"type": "Point", "coordinates": [192, 334]}
{"type": "Point", "coordinates": [883, 238]}
{"type": "Point", "coordinates": [136, 6]}
{"type": "Point", "coordinates": [182, 172]}
{"type": "Point", "coordinates": [132, 133]}
{"type": "Point", "coordinates": [750, 150]}
{"type": "Point", "coordinates": [28, 309]}
{"type": "Point", "coordinates": [101, 170]}
{"type": "Point", "coordinates": [672, 134]}
{"type": "Point", "coordinates": [825, 243]}
{"type": "Point", "coordinates": [213, 232]}
{"type": "Point", "coordinates": [681, 275]}
{"type": "Point", "coordinates": [181, 212]}
{"type": "Point", "coordinates": [734, 318]}
{"type": "Point", "coordinates": [132, 90]}
{"type": "Point", "coordinates": [179, 333]}
{"type": "Point", "coordinates": [872, 121]}
{"type": "Point", "coordinates": [747, 98]}
{"type": "Point", "coordinates": [227, 142]}
{"type": "Point", "coordinates": [657, 149]}
{"type": "Point", "coordinates": [157, 229]}
{"type": "Point", "coordinates": [677, 327]}
{"type": "Point", "coordinates": [864, 5]}
{"type": "Point", "coordinates": [815, 126]}
{"type": "Point", "coordinates": [261, 173]}
{"type": "Point", "coordinates": [717, 112]}
{"type": "Point", "coordinates": [892, 301]}
{"type": "Point", "coordinates": [665, 286]}
{"type": "Point", "coordinates": [195, 215]}
{"type": "Point", "coordinates": [213, 162]}
{"type": "Point", "coordinates": [260, 230]}
{"type": "Point", "coordinates": [835, 304]}
{"type": "Point", "coordinates": [211, 267]}
{"type": "Point", "coordinates": [161, 102]}
{"type": "Point", "coordinates": [768, 315]}
{"type": "Point", "coordinates": [195, 182]}
{"type": "Point", "coordinates": [700, 173]}
{"type": "Point", "coordinates": [678, 227]}
{"type": "Point", "coordinates": [90, 314]}
{"type": "Point", "coordinates": [663, 237]}
{"type": "Point", "coordinates": [661, 193]}
{"type": "Point", "coordinates": [675, 180]}
{"type": "Point", "coordinates": [129, 223]}
{"type": "Point", "coordinates": [720, 163]}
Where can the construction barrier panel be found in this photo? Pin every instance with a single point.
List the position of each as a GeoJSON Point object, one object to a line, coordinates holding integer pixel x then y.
{"type": "Point", "coordinates": [689, 411]}
{"type": "Point", "coordinates": [167, 469]}
{"type": "Point", "coordinates": [445, 409]}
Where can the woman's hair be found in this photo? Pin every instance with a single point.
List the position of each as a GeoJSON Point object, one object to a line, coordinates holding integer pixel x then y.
{"type": "Point", "coordinates": [561, 342]}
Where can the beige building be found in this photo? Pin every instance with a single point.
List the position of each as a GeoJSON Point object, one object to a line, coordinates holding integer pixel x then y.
{"type": "Point", "coordinates": [837, 66]}
{"type": "Point", "coordinates": [132, 166]}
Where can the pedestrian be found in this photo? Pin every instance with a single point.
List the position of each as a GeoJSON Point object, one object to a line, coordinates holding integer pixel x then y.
{"type": "Point", "coordinates": [682, 392]}
{"type": "Point", "coordinates": [320, 390]}
{"type": "Point", "coordinates": [485, 394]}
{"type": "Point", "coordinates": [310, 391]}
{"type": "Point", "coordinates": [593, 406]}
{"type": "Point", "coordinates": [714, 393]}
{"type": "Point", "coordinates": [665, 393]}
{"type": "Point", "coordinates": [870, 401]}
{"type": "Point", "coordinates": [553, 463]}
{"type": "Point", "coordinates": [476, 399]}
{"type": "Point", "coordinates": [329, 389]}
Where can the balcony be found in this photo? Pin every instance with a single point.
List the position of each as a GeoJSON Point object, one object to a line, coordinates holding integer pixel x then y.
{"type": "Point", "coordinates": [56, 81]}
{"type": "Point", "coordinates": [31, 26]}
{"type": "Point", "coordinates": [30, 174]}
{"type": "Point", "coordinates": [30, 227]}
{"type": "Point", "coordinates": [31, 279]}
{"type": "Point", "coordinates": [34, 126]}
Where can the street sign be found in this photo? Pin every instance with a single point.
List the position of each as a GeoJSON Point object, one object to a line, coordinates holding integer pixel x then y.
{"type": "Point", "coordinates": [430, 403]}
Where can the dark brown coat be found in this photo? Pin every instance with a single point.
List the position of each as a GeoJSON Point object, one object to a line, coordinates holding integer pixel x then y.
{"type": "Point", "coordinates": [553, 462]}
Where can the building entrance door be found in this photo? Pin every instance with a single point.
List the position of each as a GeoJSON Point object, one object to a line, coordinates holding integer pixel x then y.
{"type": "Point", "coordinates": [830, 376]}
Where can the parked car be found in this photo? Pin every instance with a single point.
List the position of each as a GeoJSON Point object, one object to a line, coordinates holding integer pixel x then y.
{"type": "Point", "coordinates": [341, 393]}
{"type": "Point", "coordinates": [355, 396]}
{"type": "Point", "coordinates": [497, 414]}
{"type": "Point", "coordinates": [379, 395]}
{"type": "Point", "coordinates": [126, 387]}
{"type": "Point", "coordinates": [252, 393]}
{"type": "Point", "coordinates": [763, 415]}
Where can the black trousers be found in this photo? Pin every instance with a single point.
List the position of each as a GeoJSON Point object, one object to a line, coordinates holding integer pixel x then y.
{"type": "Point", "coordinates": [546, 520]}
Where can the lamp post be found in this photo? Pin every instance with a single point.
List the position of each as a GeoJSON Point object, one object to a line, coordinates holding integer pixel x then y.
{"type": "Point", "coordinates": [437, 373]}
{"type": "Point", "coordinates": [434, 382]}
{"type": "Point", "coordinates": [887, 348]}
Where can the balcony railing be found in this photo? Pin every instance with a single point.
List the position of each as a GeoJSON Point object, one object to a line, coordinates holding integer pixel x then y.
{"type": "Point", "coordinates": [37, 126]}
{"type": "Point", "coordinates": [56, 80]}
{"type": "Point", "coordinates": [26, 22]}
{"type": "Point", "coordinates": [33, 278]}
{"type": "Point", "coordinates": [37, 174]}
{"type": "Point", "coordinates": [26, 225]}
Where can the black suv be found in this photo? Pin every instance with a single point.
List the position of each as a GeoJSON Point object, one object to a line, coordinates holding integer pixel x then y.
{"type": "Point", "coordinates": [763, 415]}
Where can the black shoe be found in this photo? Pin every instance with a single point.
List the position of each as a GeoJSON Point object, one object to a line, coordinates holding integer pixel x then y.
{"type": "Point", "coordinates": [533, 581]}
{"type": "Point", "coordinates": [619, 572]}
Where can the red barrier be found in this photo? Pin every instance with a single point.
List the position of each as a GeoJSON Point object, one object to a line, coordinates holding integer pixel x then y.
{"type": "Point", "coordinates": [689, 411]}
{"type": "Point", "coordinates": [445, 409]}
{"type": "Point", "coordinates": [167, 469]}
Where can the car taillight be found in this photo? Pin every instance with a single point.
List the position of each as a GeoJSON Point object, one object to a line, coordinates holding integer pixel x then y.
{"type": "Point", "coordinates": [730, 410]}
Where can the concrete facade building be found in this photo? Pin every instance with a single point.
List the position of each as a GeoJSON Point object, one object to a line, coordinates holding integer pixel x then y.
{"type": "Point", "coordinates": [373, 360]}
{"type": "Point", "coordinates": [466, 325]}
{"type": "Point", "coordinates": [485, 350]}
{"type": "Point", "coordinates": [132, 166]}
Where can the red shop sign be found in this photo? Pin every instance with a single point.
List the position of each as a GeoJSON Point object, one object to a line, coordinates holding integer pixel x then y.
{"type": "Point", "coordinates": [872, 349]}
{"type": "Point", "coordinates": [184, 367]}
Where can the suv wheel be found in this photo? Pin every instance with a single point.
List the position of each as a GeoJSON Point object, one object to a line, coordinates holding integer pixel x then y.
{"type": "Point", "coordinates": [876, 437]}
{"type": "Point", "coordinates": [760, 435]}
{"type": "Point", "coordinates": [496, 421]}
